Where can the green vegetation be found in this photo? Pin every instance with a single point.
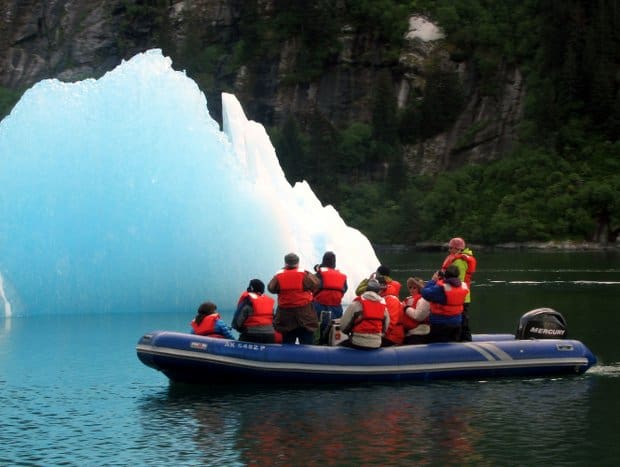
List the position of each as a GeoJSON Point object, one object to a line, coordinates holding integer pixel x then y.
{"type": "Point", "coordinates": [562, 182]}
{"type": "Point", "coordinates": [559, 184]}
{"type": "Point", "coordinates": [8, 99]}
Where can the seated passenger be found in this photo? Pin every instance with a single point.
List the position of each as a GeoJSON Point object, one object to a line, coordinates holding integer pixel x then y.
{"type": "Point", "coordinates": [417, 312]}
{"type": "Point", "coordinates": [395, 333]}
{"type": "Point", "coordinates": [208, 322]}
{"type": "Point", "coordinates": [447, 296]}
{"type": "Point", "coordinates": [254, 315]}
{"type": "Point", "coordinates": [366, 319]}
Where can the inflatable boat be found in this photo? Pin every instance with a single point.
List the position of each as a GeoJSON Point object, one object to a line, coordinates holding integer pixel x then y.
{"type": "Point", "coordinates": [190, 358]}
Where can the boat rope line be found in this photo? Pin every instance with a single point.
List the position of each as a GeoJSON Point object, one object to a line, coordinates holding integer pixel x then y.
{"type": "Point", "coordinates": [301, 367]}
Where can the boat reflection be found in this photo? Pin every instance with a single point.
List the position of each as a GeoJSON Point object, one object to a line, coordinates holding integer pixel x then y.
{"type": "Point", "coordinates": [441, 423]}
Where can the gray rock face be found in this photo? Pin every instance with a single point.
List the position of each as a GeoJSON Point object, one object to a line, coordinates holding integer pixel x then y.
{"type": "Point", "coordinates": [69, 40]}
{"type": "Point", "coordinates": [76, 39]}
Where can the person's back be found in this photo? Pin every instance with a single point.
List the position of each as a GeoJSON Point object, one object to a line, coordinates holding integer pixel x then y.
{"type": "Point", "coordinates": [291, 291]}
{"type": "Point", "coordinates": [254, 315]}
{"type": "Point", "coordinates": [366, 319]}
{"type": "Point", "coordinates": [327, 299]}
{"type": "Point", "coordinates": [446, 296]}
{"type": "Point", "coordinates": [295, 316]}
{"type": "Point", "coordinates": [333, 285]}
{"type": "Point", "coordinates": [209, 323]}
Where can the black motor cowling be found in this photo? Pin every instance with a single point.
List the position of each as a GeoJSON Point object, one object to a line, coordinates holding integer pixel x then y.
{"type": "Point", "coordinates": [542, 323]}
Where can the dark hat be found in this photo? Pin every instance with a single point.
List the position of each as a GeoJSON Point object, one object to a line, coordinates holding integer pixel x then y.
{"type": "Point", "coordinates": [329, 259]}
{"type": "Point", "coordinates": [381, 280]}
{"type": "Point", "coordinates": [291, 260]}
{"type": "Point", "coordinates": [383, 270]}
{"type": "Point", "coordinates": [256, 285]}
{"type": "Point", "coordinates": [373, 285]}
{"type": "Point", "coordinates": [452, 271]}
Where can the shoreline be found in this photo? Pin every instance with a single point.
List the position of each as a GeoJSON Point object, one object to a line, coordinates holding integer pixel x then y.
{"type": "Point", "coordinates": [554, 245]}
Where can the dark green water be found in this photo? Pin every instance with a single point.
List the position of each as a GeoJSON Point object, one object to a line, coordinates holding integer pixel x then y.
{"type": "Point", "coordinates": [72, 391]}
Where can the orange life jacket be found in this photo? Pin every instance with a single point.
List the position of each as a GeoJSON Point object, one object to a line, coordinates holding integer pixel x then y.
{"type": "Point", "coordinates": [455, 297]}
{"type": "Point", "coordinates": [408, 322]}
{"type": "Point", "coordinates": [469, 259]}
{"type": "Point", "coordinates": [371, 320]}
{"type": "Point", "coordinates": [395, 332]}
{"type": "Point", "coordinates": [292, 293]}
{"type": "Point", "coordinates": [393, 287]}
{"type": "Point", "coordinates": [207, 326]}
{"type": "Point", "coordinates": [262, 306]}
{"type": "Point", "coordinates": [332, 289]}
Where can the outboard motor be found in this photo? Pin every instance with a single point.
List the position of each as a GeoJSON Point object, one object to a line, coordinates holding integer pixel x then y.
{"type": "Point", "coordinates": [542, 323]}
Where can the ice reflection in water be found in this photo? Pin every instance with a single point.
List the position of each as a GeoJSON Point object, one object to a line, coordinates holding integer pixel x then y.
{"type": "Point", "coordinates": [72, 392]}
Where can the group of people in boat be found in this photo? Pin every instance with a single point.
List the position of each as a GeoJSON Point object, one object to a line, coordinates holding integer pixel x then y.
{"type": "Point", "coordinates": [308, 303]}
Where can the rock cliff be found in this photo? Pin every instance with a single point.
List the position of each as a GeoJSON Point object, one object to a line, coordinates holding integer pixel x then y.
{"type": "Point", "coordinates": [75, 39]}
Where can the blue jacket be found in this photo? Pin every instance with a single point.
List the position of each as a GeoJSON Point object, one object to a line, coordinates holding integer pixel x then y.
{"type": "Point", "coordinates": [434, 292]}
{"type": "Point", "coordinates": [220, 328]}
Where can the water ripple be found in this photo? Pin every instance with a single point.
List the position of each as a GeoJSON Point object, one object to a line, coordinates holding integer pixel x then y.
{"type": "Point", "coordinates": [611, 369]}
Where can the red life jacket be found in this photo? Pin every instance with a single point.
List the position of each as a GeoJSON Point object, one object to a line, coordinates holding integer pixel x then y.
{"type": "Point", "coordinates": [262, 306]}
{"type": "Point", "coordinates": [292, 293]}
{"type": "Point", "coordinates": [332, 289]}
{"type": "Point", "coordinates": [371, 320]}
{"type": "Point", "coordinates": [455, 297]}
{"type": "Point", "coordinates": [393, 287]}
{"type": "Point", "coordinates": [408, 322]}
{"type": "Point", "coordinates": [395, 332]}
{"type": "Point", "coordinates": [469, 259]}
{"type": "Point", "coordinates": [207, 326]}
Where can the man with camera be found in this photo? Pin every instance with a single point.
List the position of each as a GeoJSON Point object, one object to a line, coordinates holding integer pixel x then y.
{"type": "Point", "coordinates": [446, 294]}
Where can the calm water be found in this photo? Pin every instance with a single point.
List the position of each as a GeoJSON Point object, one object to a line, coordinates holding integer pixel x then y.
{"type": "Point", "coordinates": [72, 391]}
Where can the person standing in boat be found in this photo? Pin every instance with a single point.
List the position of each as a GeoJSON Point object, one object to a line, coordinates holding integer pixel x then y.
{"type": "Point", "coordinates": [209, 323]}
{"type": "Point", "coordinates": [253, 317]}
{"type": "Point", "coordinates": [295, 316]}
{"type": "Point", "coordinates": [417, 313]}
{"type": "Point", "coordinates": [366, 319]}
{"type": "Point", "coordinates": [463, 258]}
{"type": "Point", "coordinates": [446, 294]}
{"type": "Point", "coordinates": [327, 300]}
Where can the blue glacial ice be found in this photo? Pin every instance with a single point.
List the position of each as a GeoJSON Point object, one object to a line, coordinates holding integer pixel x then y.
{"type": "Point", "coordinates": [122, 194]}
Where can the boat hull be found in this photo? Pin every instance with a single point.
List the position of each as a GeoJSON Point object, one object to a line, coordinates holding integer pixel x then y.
{"type": "Point", "coordinates": [197, 359]}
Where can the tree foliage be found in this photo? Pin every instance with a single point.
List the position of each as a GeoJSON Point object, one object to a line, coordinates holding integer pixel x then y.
{"type": "Point", "coordinates": [8, 99]}
{"type": "Point", "coordinates": [561, 182]}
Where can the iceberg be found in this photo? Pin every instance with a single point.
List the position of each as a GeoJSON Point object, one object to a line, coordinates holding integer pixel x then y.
{"type": "Point", "coordinates": [123, 194]}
